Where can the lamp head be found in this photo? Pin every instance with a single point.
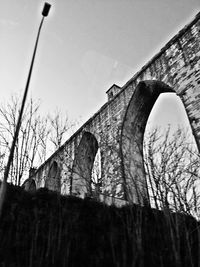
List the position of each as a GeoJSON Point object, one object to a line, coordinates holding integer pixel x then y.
{"type": "Point", "coordinates": [46, 9]}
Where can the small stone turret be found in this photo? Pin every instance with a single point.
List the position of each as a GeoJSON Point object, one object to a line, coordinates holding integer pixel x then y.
{"type": "Point", "coordinates": [112, 91]}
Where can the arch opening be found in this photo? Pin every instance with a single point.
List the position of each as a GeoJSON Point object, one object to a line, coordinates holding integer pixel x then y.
{"type": "Point", "coordinates": [134, 123]}
{"type": "Point", "coordinates": [133, 168]}
{"type": "Point", "coordinates": [96, 175]}
{"type": "Point", "coordinates": [53, 179]}
{"type": "Point", "coordinates": [81, 182]}
{"type": "Point", "coordinates": [171, 158]}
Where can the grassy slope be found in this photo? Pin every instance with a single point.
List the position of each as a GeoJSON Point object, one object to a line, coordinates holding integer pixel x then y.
{"type": "Point", "coordinates": [46, 229]}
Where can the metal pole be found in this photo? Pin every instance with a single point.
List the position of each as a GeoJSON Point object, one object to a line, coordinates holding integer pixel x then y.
{"type": "Point", "coordinates": [10, 158]}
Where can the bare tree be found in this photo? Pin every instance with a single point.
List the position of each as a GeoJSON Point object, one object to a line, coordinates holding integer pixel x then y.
{"type": "Point", "coordinates": [60, 126]}
{"type": "Point", "coordinates": [31, 144]}
{"type": "Point", "coordinates": [172, 169]}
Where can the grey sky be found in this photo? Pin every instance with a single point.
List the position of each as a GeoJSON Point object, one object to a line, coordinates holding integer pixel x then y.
{"type": "Point", "coordinates": [85, 47]}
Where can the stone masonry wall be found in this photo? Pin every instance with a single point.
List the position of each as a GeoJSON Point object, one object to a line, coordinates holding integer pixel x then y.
{"type": "Point", "coordinates": [178, 66]}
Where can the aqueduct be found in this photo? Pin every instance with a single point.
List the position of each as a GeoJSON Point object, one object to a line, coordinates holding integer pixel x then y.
{"type": "Point", "coordinates": [117, 129]}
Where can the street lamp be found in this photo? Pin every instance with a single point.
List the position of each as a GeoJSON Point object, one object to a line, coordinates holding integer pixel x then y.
{"type": "Point", "coordinates": [45, 13]}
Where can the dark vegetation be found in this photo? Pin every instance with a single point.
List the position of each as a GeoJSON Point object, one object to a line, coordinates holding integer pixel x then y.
{"type": "Point", "coordinates": [47, 229]}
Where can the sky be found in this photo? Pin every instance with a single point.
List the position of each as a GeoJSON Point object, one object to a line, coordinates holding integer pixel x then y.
{"type": "Point", "coordinates": [85, 47]}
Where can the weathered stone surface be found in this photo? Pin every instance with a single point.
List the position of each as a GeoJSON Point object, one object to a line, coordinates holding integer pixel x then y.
{"type": "Point", "coordinates": [52, 181]}
{"type": "Point", "coordinates": [176, 66]}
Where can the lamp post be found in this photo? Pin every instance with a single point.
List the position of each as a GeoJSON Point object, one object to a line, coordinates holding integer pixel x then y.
{"type": "Point", "coordinates": [45, 13]}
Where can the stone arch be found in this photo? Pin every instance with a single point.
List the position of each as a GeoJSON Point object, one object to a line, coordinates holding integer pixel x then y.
{"type": "Point", "coordinates": [96, 174]}
{"type": "Point", "coordinates": [29, 185]}
{"type": "Point", "coordinates": [53, 178]}
{"type": "Point", "coordinates": [83, 164]}
{"type": "Point", "coordinates": [133, 127]}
